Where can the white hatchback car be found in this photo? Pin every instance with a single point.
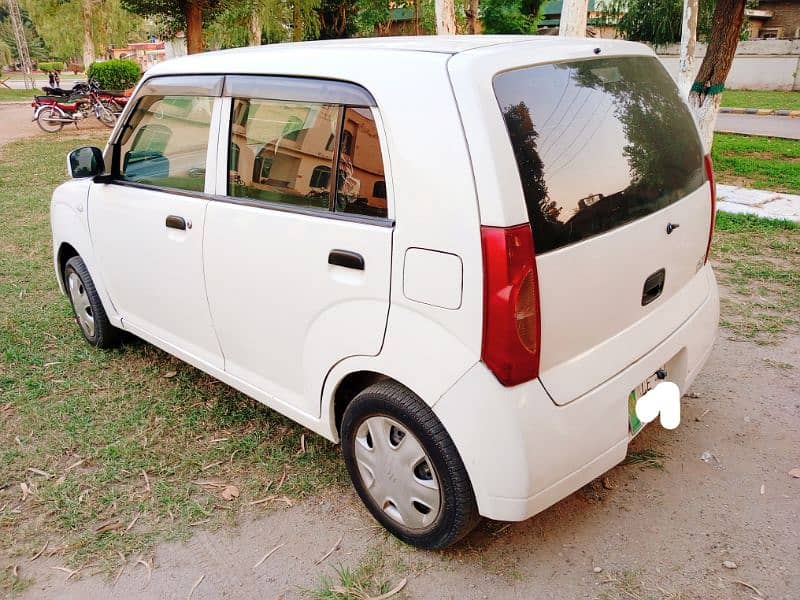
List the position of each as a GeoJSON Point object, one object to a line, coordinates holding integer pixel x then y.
{"type": "Point", "coordinates": [464, 258]}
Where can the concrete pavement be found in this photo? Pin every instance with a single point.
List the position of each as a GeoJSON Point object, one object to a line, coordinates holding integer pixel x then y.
{"type": "Point", "coordinates": [774, 126]}
{"type": "Point", "coordinates": [762, 203]}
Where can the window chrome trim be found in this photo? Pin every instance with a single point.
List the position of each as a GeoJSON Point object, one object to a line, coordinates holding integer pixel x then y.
{"type": "Point", "coordinates": [262, 204]}
{"type": "Point", "coordinates": [302, 210]}
{"type": "Point", "coordinates": [297, 89]}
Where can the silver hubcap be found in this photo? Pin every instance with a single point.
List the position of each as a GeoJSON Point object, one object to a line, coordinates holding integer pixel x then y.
{"type": "Point", "coordinates": [397, 472]}
{"type": "Point", "coordinates": [80, 300]}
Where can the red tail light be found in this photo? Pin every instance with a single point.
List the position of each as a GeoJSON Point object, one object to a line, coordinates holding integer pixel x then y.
{"type": "Point", "coordinates": [511, 318]}
{"type": "Point", "coordinates": [710, 176]}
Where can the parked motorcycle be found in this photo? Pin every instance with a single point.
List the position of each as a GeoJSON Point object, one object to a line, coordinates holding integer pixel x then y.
{"type": "Point", "coordinates": [51, 112]}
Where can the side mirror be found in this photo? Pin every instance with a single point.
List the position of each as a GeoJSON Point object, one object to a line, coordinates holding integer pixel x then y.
{"type": "Point", "coordinates": [85, 162]}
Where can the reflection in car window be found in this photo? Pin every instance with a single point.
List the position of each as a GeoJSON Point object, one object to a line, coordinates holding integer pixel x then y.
{"type": "Point", "coordinates": [361, 187]}
{"type": "Point", "coordinates": [283, 155]}
{"type": "Point", "coordinates": [598, 143]}
{"type": "Point", "coordinates": [166, 142]}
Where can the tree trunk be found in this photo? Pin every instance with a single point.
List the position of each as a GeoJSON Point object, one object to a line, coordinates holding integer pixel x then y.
{"type": "Point", "coordinates": [88, 44]}
{"type": "Point", "coordinates": [472, 16]}
{"type": "Point", "coordinates": [573, 18]}
{"type": "Point", "coordinates": [254, 27]}
{"type": "Point", "coordinates": [297, 23]}
{"type": "Point", "coordinates": [445, 17]}
{"type": "Point", "coordinates": [194, 27]}
{"type": "Point", "coordinates": [416, 17]}
{"type": "Point", "coordinates": [688, 43]}
{"type": "Point", "coordinates": [706, 93]}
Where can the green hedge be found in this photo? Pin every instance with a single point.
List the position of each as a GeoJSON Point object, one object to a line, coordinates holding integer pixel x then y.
{"type": "Point", "coordinates": [51, 66]}
{"type": "Point", "coordinates": [115, 74]}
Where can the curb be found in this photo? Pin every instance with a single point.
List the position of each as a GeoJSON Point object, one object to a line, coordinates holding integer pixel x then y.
{"type": "Point", "coordinates": [780, 112]}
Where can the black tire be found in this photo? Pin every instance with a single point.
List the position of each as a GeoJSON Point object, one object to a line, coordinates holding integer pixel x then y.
{"type": "Point", "coordinates": [84, 298]}
{"type": "Point", "coordinates": [46, 120]}
{"type": "Point", "coordinates": [458, 512]}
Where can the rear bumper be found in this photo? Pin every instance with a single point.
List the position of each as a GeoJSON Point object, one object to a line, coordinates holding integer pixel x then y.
{"type": "Point", "coordinates": [524, 453]}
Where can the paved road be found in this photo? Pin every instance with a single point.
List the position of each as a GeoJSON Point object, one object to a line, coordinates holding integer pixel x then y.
{"type": "Point", "coordinates": [787, 127]}
{"type": "Point", "coordinates": [19, 84]}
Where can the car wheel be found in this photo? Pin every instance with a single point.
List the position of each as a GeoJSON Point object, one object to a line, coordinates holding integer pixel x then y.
{"type": "Point", "coordinates": [406, 468]}
{"type": "Point", "coordinates": [89, 312]}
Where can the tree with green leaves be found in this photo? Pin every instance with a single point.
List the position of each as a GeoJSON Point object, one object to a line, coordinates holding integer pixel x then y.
{"type": "Point", "coordinates": [177, 15]}
{"type": "Point", "coordinates": [656, 21]}
{"type": "Point", "coordinates": [510, 16]}
{"type": "Point", "coordinates": [337, 19]}
{"type": "Point", "coordinates": [102, 23]}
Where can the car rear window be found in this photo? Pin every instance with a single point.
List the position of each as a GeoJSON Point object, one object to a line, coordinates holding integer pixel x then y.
{"type": "Point", "coordinates": [598, 143]}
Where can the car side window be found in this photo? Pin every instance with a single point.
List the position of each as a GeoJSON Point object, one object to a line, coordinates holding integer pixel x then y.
{"type": "Point", "coordinates": [282, 151]}
{"type": "Point", "coordinates": [361, 185]}
{"type": "Point", "coordinates": [166, 141]}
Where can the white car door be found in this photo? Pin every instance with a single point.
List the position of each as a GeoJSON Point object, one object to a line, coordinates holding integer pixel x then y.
{"type": "Point", "coordinates": [297, 281]}
{"type": "Point", "coordinates": [146, 219]}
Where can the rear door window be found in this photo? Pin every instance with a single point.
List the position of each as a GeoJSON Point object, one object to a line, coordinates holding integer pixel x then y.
{"type": "Point", "coordinates": [598, 143]}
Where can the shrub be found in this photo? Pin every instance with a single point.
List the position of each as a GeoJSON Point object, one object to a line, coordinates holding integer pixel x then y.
{"type": "Point", "coordinates": [55, 65]}
{"type": "Point", "coordinates": [115, 74]}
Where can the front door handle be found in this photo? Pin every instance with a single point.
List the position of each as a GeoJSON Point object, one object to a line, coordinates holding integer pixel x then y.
{"type": "Point", "coordinates": [346, 259]}
{"type": "Point", "coordinates": [176, 222]}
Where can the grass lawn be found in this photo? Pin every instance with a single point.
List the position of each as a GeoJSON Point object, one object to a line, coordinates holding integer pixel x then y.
{"type": "Point", "coordinates": [761, 99]}
{"type": "Point", "coordinates": [760, 162]}
{"type": "Point", "coordinates": [16, 95]}
{"type": "Point", "coordinates": [759, 261]}
{"type": "Point", "coordinates": [103, 454]}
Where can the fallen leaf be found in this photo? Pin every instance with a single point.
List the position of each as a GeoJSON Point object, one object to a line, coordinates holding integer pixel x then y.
{"type": "Point", "coordinates": [729, 564]}
{"type": "Point", "coordinates": [26, 491]}
{"type": "Point", "coordinates": [211, 465]}
{"type": "Point", "coordinates": [109, 526]}
{"type": "Point", "coordinates": [607, 483]}
{"type": "Point", "coordinates": [401, 584]}
{"type": "Point", "coordinates": [267, 555]}
{"type": "Point", "coordinates": [69, 572]}
{"type": "Point", "coordinates": [748, 586]}
{"type": "Point", "coordinates": [795, 473]}
{"type": "Point", "coordinates": [331, 551]}
{"type": "Point", "coordinates": [44, 474]}
{"type": "Point", "coordinates": [40, 552]}
{"type": "Point", "coordinates": [169, 374]}
{"type": "Point", "coordinates": [194, 587]}
{"type": "Point", "coordinates": [146, 481]}
{"type": "Point", "coordinates": [149, 570]}
{"type": "Point", "coordinates": [763, 489]}
{"type": "Point", "coordinates": [230, 492]}
{"type": "Point", "coordinates": [132, 523]}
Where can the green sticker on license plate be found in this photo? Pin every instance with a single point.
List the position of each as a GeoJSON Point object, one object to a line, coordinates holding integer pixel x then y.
{"type": "Point", "coordinates": [633, 421]}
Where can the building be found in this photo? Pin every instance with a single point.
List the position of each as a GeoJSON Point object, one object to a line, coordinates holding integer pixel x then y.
{"type": "Point", "coordinates": [599, 23]}
{"type": "Point", "coordinates": [774, 19]}
{"type": "Point", "coordinates": [145, 53]}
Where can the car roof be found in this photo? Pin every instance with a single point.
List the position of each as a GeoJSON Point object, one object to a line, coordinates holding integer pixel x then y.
{"type": "Point", "coordinates": [255, 59]}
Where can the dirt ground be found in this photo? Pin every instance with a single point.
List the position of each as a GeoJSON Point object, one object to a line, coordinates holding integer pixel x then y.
{"type": "Point", "coordinates": [655, 533]}
{"type": "Point", "coordinates": [16, 122]}
{"type": "Point", "coordinates": [652, 533]}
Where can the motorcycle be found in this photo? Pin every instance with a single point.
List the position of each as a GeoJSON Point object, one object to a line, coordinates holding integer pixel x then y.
{"type": "Point", "coordinates": [52, 112]}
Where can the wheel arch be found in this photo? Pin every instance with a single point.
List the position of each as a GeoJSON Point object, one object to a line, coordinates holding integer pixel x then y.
{"type": "Point", "coordinates": [65, 252]}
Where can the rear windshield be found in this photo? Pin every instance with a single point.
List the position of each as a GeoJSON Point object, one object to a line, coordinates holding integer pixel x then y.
{"type": "Point", "coordinates": [598, 143]}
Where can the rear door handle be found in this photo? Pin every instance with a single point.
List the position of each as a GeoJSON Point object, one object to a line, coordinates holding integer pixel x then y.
{"type": "Point", "coordinates": [346, 259]}
{"type": "Point", "coordinates": [176, 222]}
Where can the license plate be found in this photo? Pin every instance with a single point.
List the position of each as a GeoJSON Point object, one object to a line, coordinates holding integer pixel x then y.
{"type": "Point", "coordinates": [634, 424]}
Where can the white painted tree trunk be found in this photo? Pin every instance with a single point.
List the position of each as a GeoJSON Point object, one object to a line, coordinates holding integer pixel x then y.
{"type": "Point", "coordinates": [705, 114]}
{"type": "Point", "coordinates": [445, 17]}
{"type": "Point", "coordinates": [573, 18]}
{"type": "Point", "coordinates": [254, 27]}
{"type": "Point", "coordinates": [88, 44]}
{"type": "Point", "coordinates": [688, 43]}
